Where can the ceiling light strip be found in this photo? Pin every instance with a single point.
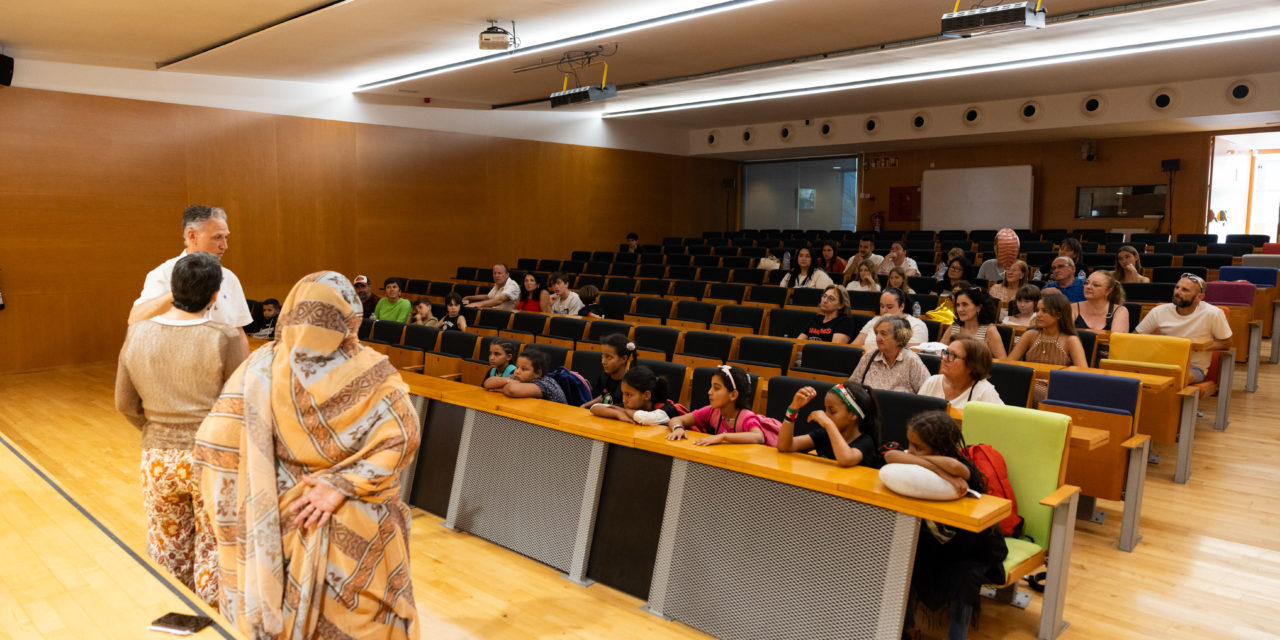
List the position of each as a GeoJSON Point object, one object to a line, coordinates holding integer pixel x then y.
{"type": "Point", "coordinates": [570, 41]}
{"type": "Point", "coordinates": [1234, 36]}
{"type": "Point", "coordinates": [254, 32]}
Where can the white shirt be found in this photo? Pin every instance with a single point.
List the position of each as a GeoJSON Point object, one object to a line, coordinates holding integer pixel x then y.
{"type": "Point", "coordinates": [873, 259]}
{"type": "Point", "coordinates": [818, 279]}
{"type": "Point", "coordinates": [511, 290]}
{"type": "Point", "coordinates": [569, 307]}
{"type": "Point", "coordinates": [908, 265]}
{"type": "Point", "coordinates": [919, 330]}
{"type": "Point", "coordinates": [1206, 322]}
{"type": "Point", "coordinates": [982, 391]}
{"type": "Point", "coordinates": [855, 285]}
{"type": "Point", "coordinates": [230, 308]}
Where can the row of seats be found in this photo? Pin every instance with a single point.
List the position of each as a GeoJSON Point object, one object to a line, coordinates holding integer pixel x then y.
{"type": "Point", "coordinates": [719, 238]}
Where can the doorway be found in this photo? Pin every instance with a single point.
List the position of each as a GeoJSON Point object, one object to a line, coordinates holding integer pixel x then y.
{"type": "Point", "coordinates": [1244, 192]}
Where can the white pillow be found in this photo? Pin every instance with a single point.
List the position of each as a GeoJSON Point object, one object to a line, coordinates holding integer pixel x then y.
{"type": "Point", "coordinates": [915, 481]}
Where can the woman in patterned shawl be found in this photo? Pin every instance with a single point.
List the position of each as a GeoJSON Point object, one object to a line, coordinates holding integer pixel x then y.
{"type": "Point", "coordinates": [300, 465]}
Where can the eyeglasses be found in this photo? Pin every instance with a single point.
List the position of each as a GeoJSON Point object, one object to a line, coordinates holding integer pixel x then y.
{"type": "Point", "coordinates": [829, 298]}
{"type": "Point", "coordinates": [949, 355]}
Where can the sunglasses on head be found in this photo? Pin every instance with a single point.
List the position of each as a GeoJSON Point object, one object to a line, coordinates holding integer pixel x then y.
{"type": "Point", "coordinates": [1194, 278]}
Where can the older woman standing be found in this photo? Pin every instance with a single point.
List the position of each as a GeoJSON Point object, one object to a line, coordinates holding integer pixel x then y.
{"type": "Point", "coordinates": [892, 366]}
{"type": "Point", "coordinates": [966, 364]}
{"type": "Point", "coordinates": [975, 318]}
{"type": "Point", "coordinates": [301, 457]}
{"type": "Point", "coordinates": [1103, 307]}
{"type": "Point", "coordinates": [833, 325]}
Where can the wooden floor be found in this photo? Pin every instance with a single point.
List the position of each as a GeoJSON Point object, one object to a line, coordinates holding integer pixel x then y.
{"type": "Point", "coordinates": [1208, 567]}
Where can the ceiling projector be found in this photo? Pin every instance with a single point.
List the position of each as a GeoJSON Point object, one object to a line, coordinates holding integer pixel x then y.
{"type": "Point", "coordinates": [1005, 17]}
{"type": "Point", "coordinates": [495, 37]}
{"type": "Point", "coordinates": [589, 93]}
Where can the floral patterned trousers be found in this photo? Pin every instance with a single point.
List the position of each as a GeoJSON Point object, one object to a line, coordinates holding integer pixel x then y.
{"type": "Point", "coordinates": [179, 534]}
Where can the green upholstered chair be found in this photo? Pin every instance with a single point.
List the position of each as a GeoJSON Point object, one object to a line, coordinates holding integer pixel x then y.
{"type": "Point", "coordinates": [1034, 446]}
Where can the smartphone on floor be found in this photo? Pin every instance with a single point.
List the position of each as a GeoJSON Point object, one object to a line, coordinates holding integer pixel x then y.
{"type": "Point", "coordinates": [180, 624]}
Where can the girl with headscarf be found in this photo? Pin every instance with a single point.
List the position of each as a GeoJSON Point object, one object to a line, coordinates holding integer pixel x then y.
{"type": "Point", "coordinates": [301, 459]}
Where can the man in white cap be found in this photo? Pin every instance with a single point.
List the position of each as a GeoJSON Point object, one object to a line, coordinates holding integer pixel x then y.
{"type": "Point", "coordinates": [203, 229]}
{"type": "Point", "coordinates": [367, 296]}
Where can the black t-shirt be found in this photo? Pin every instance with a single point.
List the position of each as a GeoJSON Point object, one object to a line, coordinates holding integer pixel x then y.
{"type": "Point", "coordinates": [450, 324]}
{"type": "Point", "coordinates": [607, 389]}
{"type": "Point", "coordinates": [823, 331]}
{"type": "Point", "coordinates": [863, 443]}
{"type": "Point", "coordinates": [592, 309]}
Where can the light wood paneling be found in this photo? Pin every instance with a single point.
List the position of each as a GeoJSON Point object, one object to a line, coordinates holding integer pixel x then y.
{"type": "Point", "coordinates": [92, 188]}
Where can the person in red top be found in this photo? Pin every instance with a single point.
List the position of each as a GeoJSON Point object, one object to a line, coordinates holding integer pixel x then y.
{"type": "Point", "coordinates": [533, 296]}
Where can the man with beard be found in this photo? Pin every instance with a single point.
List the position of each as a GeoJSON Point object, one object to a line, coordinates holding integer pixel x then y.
{"type": "Point", "coordinates": [1187, 317]}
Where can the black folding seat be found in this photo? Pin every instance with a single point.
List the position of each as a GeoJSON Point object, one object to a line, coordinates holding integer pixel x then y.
{"type": "Point", "coordinates": [739, 318]}
{"type": "Point", "coordinates": [724, 293]}
{"type": "Point", "coordinates": [690, 314]}
{"type": "Point", "coordinates": [656, 339]}
{"type": "Point", "coordinates": [767, 296]}
{"type": "Point", "coordinates": [703, 348]}
{"type": "Point", "coordinates": [833, 361]}
{"type": "Point", "coordinates": [653, 287]}
{"type": "Point", "coordinates": [616, 305]}
{"type": "Point", "coordinates": [763, 356]}
{"type": "Point", "coordinates": [790, 323]}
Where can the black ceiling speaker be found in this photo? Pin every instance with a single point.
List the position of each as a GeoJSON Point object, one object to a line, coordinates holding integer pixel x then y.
{"type": "Point", "coordinates": [6, 70]}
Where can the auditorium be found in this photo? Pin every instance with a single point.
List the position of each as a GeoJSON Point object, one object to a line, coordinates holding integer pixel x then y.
{"type": "Point", "coordinates": [683, 319]}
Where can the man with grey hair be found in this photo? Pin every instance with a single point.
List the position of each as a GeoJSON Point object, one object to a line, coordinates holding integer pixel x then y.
{"type": "Point", "coordinates": [503, 295]}
{"type": "Point", "coordinates": [203, 229]}
{"type": "Point", "coordinates": [1063, 279]}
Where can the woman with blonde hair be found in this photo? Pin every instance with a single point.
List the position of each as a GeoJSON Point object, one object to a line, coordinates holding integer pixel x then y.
{"type": "Point", "coordinates": [1014, 277]}
{"type": "Point", "coordinates": [301, 460]}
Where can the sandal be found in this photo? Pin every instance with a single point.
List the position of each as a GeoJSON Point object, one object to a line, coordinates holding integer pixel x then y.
{"type": "Point", "coordinates": [1036, 581]}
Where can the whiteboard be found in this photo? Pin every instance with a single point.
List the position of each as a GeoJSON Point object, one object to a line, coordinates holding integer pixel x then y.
{"type": "Point", "coordinates": [977, 198]}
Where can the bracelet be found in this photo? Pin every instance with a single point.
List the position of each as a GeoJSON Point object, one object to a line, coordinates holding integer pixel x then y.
{"type": "Point", "coordinates": [791, 414]}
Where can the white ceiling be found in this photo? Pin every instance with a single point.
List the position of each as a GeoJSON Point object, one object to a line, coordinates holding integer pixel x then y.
{"type": "Point", "coordinates": [358, 41]}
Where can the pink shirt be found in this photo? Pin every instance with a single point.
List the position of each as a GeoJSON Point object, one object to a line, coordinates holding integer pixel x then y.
{"type": "Point", "coordinates": [747, 420]}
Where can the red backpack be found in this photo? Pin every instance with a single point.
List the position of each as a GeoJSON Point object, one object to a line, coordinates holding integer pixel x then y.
{"type": "Point", "coordinates": [991, 465]}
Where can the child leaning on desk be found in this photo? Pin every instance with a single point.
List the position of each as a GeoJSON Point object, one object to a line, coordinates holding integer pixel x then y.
{"type": "Point", "coordinates": [727, 416]}
{"type": "Point", "coordinates": [951, 564]}
{"type": "Point", "coordinates": [644, 399]}
{"type": "Point", "coordinates": [847, 429]}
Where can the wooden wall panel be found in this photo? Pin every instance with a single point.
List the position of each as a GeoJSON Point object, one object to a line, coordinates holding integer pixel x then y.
{"type": "Point", "coordinates": [92, 188]}
{"type": "Point", "coordinates": [1059, 170]}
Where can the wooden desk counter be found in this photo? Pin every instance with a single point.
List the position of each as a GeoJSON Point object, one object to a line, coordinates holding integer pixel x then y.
{"type": "Point", "coordinates": [1088, 438]}
{"type": "Point", "coordinates": [430, 387]}
{"type": "Point", "coordinates": [1042, 370]}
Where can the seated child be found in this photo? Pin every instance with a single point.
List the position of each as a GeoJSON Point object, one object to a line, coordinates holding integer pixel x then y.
{"type": "Point", "coordinates": [616, 354]}
{"type": "Point", "coordinates": [501, 353]}
{"type": "Point", "coordinates": [951, 564]}
{"type": "Point", "coordinates": [589, 294]}
{"type": "Point", "coordinates": [846, 430]}
{"type": "Point", "coordinates": [528, 380]}
{"type": "Point", "coordinates": [453, 320]}
{"type": "Point", "coordinates": [422, 314]}
{"type": "Point", "coordinates": [266, 330]}
{"type": "Point", "coordinates": [727, 416]}
{"type": "Point", "coordinates": [644, 399]}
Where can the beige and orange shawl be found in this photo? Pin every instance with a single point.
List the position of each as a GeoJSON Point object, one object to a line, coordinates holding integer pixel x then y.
{"type": "Point", "coordinates": [313, 402]}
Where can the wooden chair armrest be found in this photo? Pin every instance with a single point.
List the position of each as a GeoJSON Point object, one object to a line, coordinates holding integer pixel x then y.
{"type": "Point", "coordinates": [414, 367]}
{"type": "Point", "coordinates": [1188, 391]}
{"type": "Point", "coordinates": [452, 376]}
{"type": "Point", "coordinates": [1061, 495]}
{"type": "Point", "coordinates": [1135, 441]}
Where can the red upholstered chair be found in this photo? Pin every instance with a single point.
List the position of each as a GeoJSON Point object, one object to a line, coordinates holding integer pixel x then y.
{"type": "Point", "coordinates": [1236, 299]}
{"type": "Point", "coordinates": [1271, 247]}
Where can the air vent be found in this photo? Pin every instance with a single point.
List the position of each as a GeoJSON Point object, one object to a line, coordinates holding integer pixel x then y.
{"type": "Point", "coordinates": [713, 138]}
{"type": "Point", "coordinates": [827, 129]}
{"type": "Point", "coordinates": [1240, 91]}
{"type": "Point", "coordinates": [871, 126]}
{"type": "Point", "coordinates": [786, 133]}
{"type": "Point", "coordinates": [919, 121]}
{"type": "Point", "coordinates": [1030, 110]}
{"type": "Point", "coordinates": [971, 116]}
{"type": "Point", "coordinates": [1163, 99]}
{"type": "Point", "coordinates": [748, 136]}
{"type": "Point", "coordinates": [1093, 105]}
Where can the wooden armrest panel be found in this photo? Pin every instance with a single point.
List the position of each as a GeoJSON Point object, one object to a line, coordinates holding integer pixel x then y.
{"type": "Point", "coordinates": [1135, 441]}
{"type": "Point", "coordinates": [1061, 495]}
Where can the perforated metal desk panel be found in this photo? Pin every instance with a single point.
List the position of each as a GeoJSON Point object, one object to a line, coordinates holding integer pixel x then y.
{"type": "Point", "coordinates": [751, 543]}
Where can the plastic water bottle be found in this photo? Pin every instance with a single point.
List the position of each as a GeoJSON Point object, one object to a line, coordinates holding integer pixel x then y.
{"type": "Point", "coordinates": [1037, 276]}
{"type": "Point", "coordinates": [942, 272]}
{"type": "Point", "coordinates": [915, 309]}
{"type": "Point", "coordinates": [786, 260]}
{"type": "Point", "coordinates": [1080, 274]}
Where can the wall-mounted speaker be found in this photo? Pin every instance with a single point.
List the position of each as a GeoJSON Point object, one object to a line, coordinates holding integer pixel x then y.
{"type": "Point", "coordinates": [1171, 165]}
{"type": "Point", "coordinates": [6, 70]}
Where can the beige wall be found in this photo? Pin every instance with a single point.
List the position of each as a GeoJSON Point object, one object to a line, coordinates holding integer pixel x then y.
{"type": "Point", "coordinates": [1059, 170]}
{"type": "Point", "coordinates": [91, 191]}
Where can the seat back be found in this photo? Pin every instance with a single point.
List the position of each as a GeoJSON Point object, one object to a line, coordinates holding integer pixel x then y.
{"type": "Point", "coordinates": [568, 328]}
{"type": "Point", "coordinates": [656, 307]}
{"type": "Point", "coordinates": [692, 289]}
{"type": "Point", "coordinates": [619, 284]}
{"type": "Point", "coordinates": [865, 301]}
{"type": "Point", "coordinates": [653, 287]}
{"type": "Point", "coordinates": [528, 322]}
{"type": "Point", "coordinates": [616, 305]}
{"type": "Point", "coordinates": [692, 311]}
{"type": "Point", "coordinates": [601, 328]}
{"type": "Point", "coordinates": [387, 331]}
{"type": "Point", "coordinates": [1013, 382]}
{"type": "Point", "coordinates": [896, 410]}
{"type": "Point", "coordinates": [1207, 260]}
{"type": "Point", "coordinates": [767, 295]}
{"type": "Point", "coordinates": [651, 270]}
{"type": "Point", "coordinates": [493, 318]}
{"type": "Point", "coordinates": [421, 337]}
{"type": "Point", "coordinates": [707, 344]}
{"type": "Point", "coordinates": [1201, 239]}
{"type": "Point", "coordinates": [1168, 352]}
{"type": "Point", "coordinates": [1230, 248]}
{"type": "Point", "coordinates": [742, 316]}
{"type": "Point", "coordinates": [731, 293]}
{"type": "Point", "coordinates": [556, 354]}
{"type": "Point", "coordinates": [1254, 240]}
{"type": "Point", "coordinates": [1149, 291]}
{"type": "Point", "coordinates": [834, 359]}
{"type": "Point", "coordinates": [1259, 276]}
{"type": "Point", "coordinates": [1113, 393]}
{"type": "Point", "coordinates": [586, 363]}
{"type": "Point", "coordinates": [657, 338]}
{"type": "Point", "coordinates": [789, 323]}
{"type": "Point", "coordinates": [1173, 274]}
{"type": "Point", "coordinates": [366, 327]}
{"type": "Point", "coordinates": [459, 344]}
{"type": "Point", "coordinates": [1034, 446]}
{"type": "Point", "coordinates": [1260, 260]}
{"type": "Point", "coordinates": [766, 352]}
{"type": "Point", "coordinates": [804, 298]}
{"type": "Point", "coordinates": [1229, 293]}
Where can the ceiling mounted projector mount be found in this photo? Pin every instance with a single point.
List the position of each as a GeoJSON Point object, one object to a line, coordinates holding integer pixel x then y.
{"type": "Point", "coordinates": [980, 20]}
{"type": "Point", "coordinates": [496, 37]}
